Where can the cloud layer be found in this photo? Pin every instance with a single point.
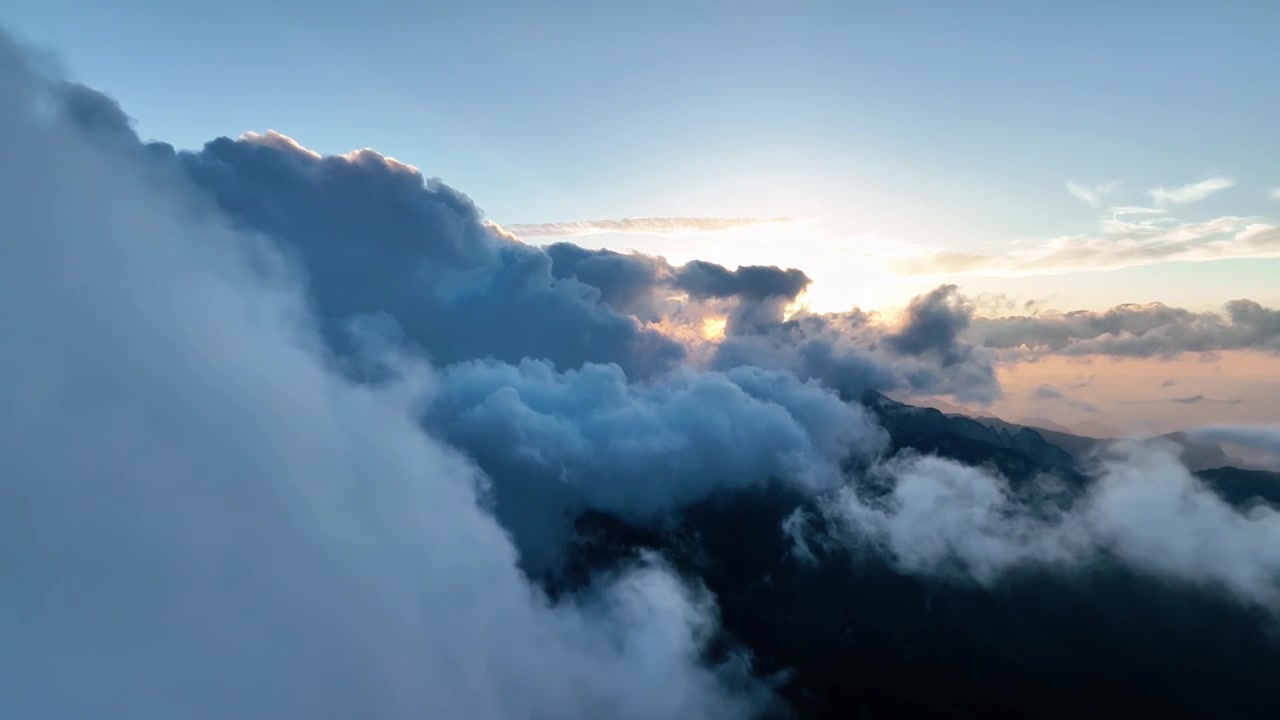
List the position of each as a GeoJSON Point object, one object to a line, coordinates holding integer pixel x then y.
{"type": "Point", "coordinates": [1154, 330]}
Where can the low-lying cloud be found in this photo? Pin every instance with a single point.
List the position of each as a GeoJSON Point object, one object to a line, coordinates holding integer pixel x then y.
{"type": "Point", "coordinates": [1259, 437]}
{"type": "Point", "coordinates": [948, 520]}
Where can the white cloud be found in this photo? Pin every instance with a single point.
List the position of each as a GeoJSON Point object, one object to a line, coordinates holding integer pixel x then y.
{"type": "Point", "coordinates": [1091, 195]}
{"type": "Point", "coordinates": [1194, 192]}
{"type": "Point", "coordinates": [1119, 244]}
{"type": "Point", "coordinates": [1274, 193]}
{"type": "Point", "coordinates": [1123, 210]}
{"type": "Point", "coordinates": [1145, 507]}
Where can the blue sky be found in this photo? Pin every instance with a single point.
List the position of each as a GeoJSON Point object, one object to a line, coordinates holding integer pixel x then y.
{"type": "Point", "coordinates": [946, 126]}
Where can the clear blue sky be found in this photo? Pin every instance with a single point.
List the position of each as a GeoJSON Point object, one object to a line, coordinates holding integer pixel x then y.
{"type": "Point", "coordinates": [948, 124]}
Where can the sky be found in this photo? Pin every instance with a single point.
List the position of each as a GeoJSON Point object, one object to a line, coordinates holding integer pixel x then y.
{"type": "Point", "coordinates": [903, 128]}
{"type": "Point", "coordinates": [1057, 156]}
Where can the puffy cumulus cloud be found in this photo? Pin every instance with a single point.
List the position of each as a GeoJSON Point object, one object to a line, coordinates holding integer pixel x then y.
{"type": "Point", "coordinates": [933, 325]}
{"type": "Point", "coordinates": [924, 353]}
{"type": "Point", "coordinates": [204, 520]}
{"type": "Point", "coordinates": [1143, 507]}
{"type": "Point", "coordinates": [651, 289]}
{"type": "Point", "coordinates": [648, 226]}
{"type": "Point", "coordinates": [753, 282]}
{"type": "Point", "coordinates": [1154, 330]}
{"type": "Point", "coordinates": [629, 283]}
{"type": "Point", "coordinates": [557, 443]}
{"type": "Point", "coordinates": [375, 236]}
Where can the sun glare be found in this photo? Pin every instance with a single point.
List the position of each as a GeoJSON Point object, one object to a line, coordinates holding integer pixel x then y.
{"type": "Point", "coordinates": [713, 328]}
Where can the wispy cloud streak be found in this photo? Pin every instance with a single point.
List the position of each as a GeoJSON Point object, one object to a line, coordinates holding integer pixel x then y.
{"type": "Point", "coordinates": [646, 226]}
{"type": "Point", "coordinates": [1090, 195]}
{"type": "Point", "coordinates": [1193, 192]}
{"type": "Point", "coordinates": [1186, 400]}
{"type": "Point", "coordinates": [1120, 244]}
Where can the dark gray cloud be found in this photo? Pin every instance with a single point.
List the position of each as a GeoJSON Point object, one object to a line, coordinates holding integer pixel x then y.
{"type": "Point", "coordinates": [1168, 383]}
{"type": "Point", "coordinates": [629, 283]}
{"type": "Point", "coordinates": [1053, 394]}
{"type": "Point", "coordinates": [642, 284]}
{"type": "Point", "coordinates": [1154, 330]}
{"type": "Point", "coordinates": [1047, 392]}
{"type": "Point", "coordinates": [95, 112]}
{"type": "Point", "coordinates": [925, 353]}
{"type": "Point", "coordinates": [204, 520]}
{"type": "Point", "coordinates": [933, 325]}
{"type": "Point", "coordinates": [749, 297]}
{"type": "Point", "coordinates": [1196, 399]}
{"type": "Point", "coordinates": [838, 350]}
{"type": "Point", "coordinates": [375, 236]}
{"type": "Point", "coordinates": [752, 282]}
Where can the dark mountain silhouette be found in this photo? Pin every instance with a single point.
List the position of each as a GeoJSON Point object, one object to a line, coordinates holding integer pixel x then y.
{"type": "Point", "coordinates": [1196, 455]}
{"type": "Point", "coordinates": [847, 635]}
{"type": "Point", "coordinates": [1018, 452]}
{"type": "Point", "coordinates": [1045, 423]}
{"type": "Point", "coordinates": [1095, 429]}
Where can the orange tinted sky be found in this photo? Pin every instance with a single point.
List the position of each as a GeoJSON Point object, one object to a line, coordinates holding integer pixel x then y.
{"type": "Point", "coordinates": [1137, 394]}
